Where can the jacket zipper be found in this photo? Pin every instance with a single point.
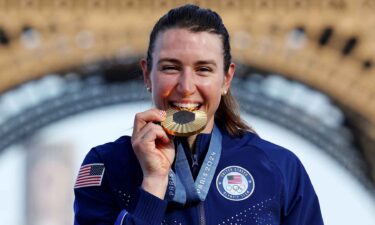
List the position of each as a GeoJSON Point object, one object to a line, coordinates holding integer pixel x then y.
{"type": "Point", "coordinates": [194, 159]}
{"type": "Point", "coordinates": [202, 216]}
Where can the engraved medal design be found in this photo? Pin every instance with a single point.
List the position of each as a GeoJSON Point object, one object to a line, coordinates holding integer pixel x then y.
{"type": "Point", "coordinates": [184, 122]}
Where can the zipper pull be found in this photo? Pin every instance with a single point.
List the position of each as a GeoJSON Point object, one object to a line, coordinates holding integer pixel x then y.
{"type": "Point", "coordinates": [195, 160]}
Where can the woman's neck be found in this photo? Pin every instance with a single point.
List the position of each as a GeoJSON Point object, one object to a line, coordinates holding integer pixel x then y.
{"type": "Point", "coordinates": [191, 142]}
{"type": "Point", "coordinates": [191, 139]}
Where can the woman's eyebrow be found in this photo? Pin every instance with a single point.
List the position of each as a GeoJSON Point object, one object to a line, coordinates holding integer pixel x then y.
{"type": "Point", "coordinates": [170, 60]}
{"type": "Point", "coordinates": [206, 62]}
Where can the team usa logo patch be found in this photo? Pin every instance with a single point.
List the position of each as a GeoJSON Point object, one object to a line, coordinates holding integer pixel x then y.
{"type": "Point", "coordinates": [235, 183]}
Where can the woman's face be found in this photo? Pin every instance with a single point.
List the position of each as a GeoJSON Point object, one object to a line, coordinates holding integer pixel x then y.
{"type": "Point", "coordinates": [188, 71]}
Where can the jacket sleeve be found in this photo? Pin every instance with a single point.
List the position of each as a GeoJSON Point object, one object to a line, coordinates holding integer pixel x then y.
{"type": "Point", "coordinates": [97, 204]}
{"type": "Point", "coordinates": [300, 202]}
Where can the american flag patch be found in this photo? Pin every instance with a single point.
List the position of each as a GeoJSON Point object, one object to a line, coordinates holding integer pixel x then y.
{"type": "Point", "coordinates": [234, 179]}
{"type": "Point", "coordinates": [90, 175]}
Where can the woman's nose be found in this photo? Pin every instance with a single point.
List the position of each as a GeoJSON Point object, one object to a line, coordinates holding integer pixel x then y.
{"type": "Point", "coordinates": [186, 85]}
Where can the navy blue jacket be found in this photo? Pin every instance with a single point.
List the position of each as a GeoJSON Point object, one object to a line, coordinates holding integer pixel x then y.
{"type": "Point", "coordinates": [256, 182]}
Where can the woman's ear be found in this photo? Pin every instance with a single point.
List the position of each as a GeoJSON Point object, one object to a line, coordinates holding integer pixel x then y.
{"type": "Point", "coordinates": [228, 77]}
{"type": "Point", "coordinates": [146, 72]}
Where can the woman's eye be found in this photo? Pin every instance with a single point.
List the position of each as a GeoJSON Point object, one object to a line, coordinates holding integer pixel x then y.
{"type": "Point", "coordinates": [204, 69]}
{"type": "Point", "coordinates": [169, 68]}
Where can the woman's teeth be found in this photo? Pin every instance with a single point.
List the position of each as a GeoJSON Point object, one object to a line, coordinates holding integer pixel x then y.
{"type": "Point", "coordinates": [185, 105]}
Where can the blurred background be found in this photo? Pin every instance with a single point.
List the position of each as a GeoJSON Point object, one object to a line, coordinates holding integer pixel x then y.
{"type": "Point", "coordinates": [70, 80]}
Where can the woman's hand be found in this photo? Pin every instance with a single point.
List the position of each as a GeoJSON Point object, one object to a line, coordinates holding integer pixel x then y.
{"type": "Point", "coordinates": [154, 149]}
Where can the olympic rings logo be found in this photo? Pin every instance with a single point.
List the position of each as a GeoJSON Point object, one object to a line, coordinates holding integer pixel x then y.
{"type": "Point", "coordinates": [235, 188]}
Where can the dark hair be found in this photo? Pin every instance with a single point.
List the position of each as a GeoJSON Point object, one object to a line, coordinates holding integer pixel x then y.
{"type": "Point", "coordinates": [197, 19]}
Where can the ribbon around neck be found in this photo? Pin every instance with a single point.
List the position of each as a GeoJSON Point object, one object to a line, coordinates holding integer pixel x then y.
{"type": "Point", "coordinates": [181, 186]}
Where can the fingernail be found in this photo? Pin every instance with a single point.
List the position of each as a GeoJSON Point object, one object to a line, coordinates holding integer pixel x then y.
{"type": "Point", "coordinates": [163, 113]}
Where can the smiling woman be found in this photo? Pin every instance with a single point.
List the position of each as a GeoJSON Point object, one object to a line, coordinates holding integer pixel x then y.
{"type": "Point", "coordinates": [188, 71]}
{"type": "Point", "coordinates": [224, 172]}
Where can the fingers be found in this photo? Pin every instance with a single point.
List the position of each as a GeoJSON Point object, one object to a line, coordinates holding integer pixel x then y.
{"type": "Point", "coordinates": [143, 118]}
{"type": "Point", "coordinates": [151, 132]}
{"type": "Point", "coordinates": [145, 131]}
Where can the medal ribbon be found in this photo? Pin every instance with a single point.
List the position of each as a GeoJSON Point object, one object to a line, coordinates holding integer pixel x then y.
{"type": "Point", "coordinates": [181, 185]}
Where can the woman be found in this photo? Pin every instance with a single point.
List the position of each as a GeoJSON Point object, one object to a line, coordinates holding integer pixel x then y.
{"type": "Point", "coordinates": [225, 174]}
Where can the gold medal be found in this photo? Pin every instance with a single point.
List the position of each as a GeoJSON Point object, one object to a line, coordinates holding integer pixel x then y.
{"type": "Point", "coordinates": [184, 123]}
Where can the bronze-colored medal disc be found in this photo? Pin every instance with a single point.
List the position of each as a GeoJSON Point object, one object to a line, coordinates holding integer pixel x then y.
{"type": "Point", "coordinates": [184, 122]}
